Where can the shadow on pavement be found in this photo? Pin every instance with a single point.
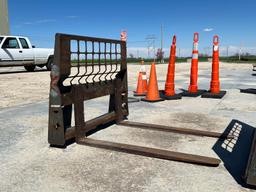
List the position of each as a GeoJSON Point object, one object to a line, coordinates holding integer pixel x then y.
{"type": "Point", "coordinates": [235, 152]}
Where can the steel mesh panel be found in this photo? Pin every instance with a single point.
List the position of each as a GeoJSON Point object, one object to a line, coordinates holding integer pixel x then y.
{"type": "Point", "coordinates": [93, 61]}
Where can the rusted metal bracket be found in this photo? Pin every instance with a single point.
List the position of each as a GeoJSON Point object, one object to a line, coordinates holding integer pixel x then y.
{"type": "Point", "coordinates": [86, 68]}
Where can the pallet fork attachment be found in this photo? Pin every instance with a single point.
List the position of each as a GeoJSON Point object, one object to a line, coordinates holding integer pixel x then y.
{"type": "Point", "coordinates": [86, 68]}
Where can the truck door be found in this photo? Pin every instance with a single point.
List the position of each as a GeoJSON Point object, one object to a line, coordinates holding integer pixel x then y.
{"type": "Point", "coordinates": [11, 52]}
{"type": "Point", "coordinates": [27, 51]}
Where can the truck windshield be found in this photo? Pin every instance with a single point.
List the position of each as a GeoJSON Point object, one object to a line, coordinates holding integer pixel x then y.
{"type": "Point", "coordinates": [1, 38]}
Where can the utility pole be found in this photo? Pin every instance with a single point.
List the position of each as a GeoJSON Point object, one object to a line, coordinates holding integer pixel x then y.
{"type": "Point", "coordinates": [151, 45]}
{"type": "Point", "coordinates": [162, 43]}
{"type": "Point", "coordinates": [4, 19]}
{"type": "Point", "coordinates": [227, 50]}
{"type": "Point", "coordinates": [206, 51]}
{"type": "Point", "coordinates": [240, 51]}
{"type": "Point", "coordinates": [209, 50]}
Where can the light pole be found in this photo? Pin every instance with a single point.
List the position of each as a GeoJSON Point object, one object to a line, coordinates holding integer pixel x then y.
{"type": "Point", "coordinates": [4, 19]}
{"type": "Point", "coordinates": [162, 43]}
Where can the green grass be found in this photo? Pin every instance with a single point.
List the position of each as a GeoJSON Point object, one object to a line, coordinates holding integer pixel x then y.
{"type": "Point", "coordinates": [178, 60]}
{"type": "Point", "coordinates": [235, 59]}
{"type": "Point", "coordinates": [231, 59]}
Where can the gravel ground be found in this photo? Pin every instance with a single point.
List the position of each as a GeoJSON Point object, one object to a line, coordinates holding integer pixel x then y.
{"type": "Point", "coordinates": [27, 163]}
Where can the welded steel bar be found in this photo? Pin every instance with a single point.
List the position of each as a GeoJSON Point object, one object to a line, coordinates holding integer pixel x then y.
{"type": "Point", "coordinates": [175, 129]}
{"type": "Point", "coordinates": [93, 123]}
{"type": "Point", "coordinates": [151, 152]}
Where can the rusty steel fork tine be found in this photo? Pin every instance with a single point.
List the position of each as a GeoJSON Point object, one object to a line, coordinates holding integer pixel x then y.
{"type": "Point", "coordinates": [151, 152]}
{"type": "Point", "coordinates": [175, 129]}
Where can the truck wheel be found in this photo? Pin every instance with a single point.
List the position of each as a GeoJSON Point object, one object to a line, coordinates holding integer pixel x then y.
{"type": "Point", "coordinates": [49, 64]}
{"type": "Point", "coordinates": [30, 68]}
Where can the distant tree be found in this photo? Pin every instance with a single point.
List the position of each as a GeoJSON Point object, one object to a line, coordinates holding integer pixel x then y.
{"type": "Point", "coordinates": [160, 55]}
{"type": "Point", "coordinates": [131, 56]}
{"type": "Point", "coordinates": [247, 54]}
{"type": "Point", "coordinates": [203, 55]}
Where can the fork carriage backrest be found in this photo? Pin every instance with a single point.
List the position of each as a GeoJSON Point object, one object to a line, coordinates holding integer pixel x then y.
{"type": "Point", "coordinates": [85, 68]}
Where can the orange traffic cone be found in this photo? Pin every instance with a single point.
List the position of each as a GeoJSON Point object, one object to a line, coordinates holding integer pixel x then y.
{"type": "Point", "coordinates": [153, 92]}
{"type": "Point", "coordinates": [194, 66]}
{"type": "Point", "coordinates": [141, 84]}
{"type": "Point", "coordinates": [215, 82]}
{"type": "Point", "coordinates": [169, 92]}
{"type": "Point", "coordinates": [215, 91]}
{"type": "Point", "coordinates": [193, 90]}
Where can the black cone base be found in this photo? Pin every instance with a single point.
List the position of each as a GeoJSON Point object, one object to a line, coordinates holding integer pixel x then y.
{"type": "Point", "coordinates": [139, 94]}
{"type": "Point", "coordinates": [252, 91]}
{"type": "Point", "coordinates": [199, 92]}
{"type": "Point", "coordinates": [173, 97]}
{"type": "Point", "coordinates": [219, 95]}
{"type": "Point", "coordinates": [133, 100]}
{"type": "Point", "coordinates": [153, 101]}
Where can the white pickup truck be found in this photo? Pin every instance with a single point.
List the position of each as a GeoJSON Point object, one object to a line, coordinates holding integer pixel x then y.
{"type": "Point", "coordinates": [18, 51]}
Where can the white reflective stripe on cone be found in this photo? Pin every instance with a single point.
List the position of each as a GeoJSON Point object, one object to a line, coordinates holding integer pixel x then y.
{"type": "Point", "coordinates": [195, 46]}
{"type": "Point", "coordinates": [144, 77]}
{"type": "Point", "coordinates": [143, 69]}
{"type": "Point", "coordinates": [195, 56]}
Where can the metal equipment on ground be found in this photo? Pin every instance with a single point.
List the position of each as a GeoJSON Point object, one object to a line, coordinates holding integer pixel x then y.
{"type": "Point", "coordinates": [250, 172]}
{"type": "Point", "coordinates": [86, 68]}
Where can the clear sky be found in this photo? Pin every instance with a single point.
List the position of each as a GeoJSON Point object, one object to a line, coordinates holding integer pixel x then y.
{"type": "Point", "coordinates": [233, 20]}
